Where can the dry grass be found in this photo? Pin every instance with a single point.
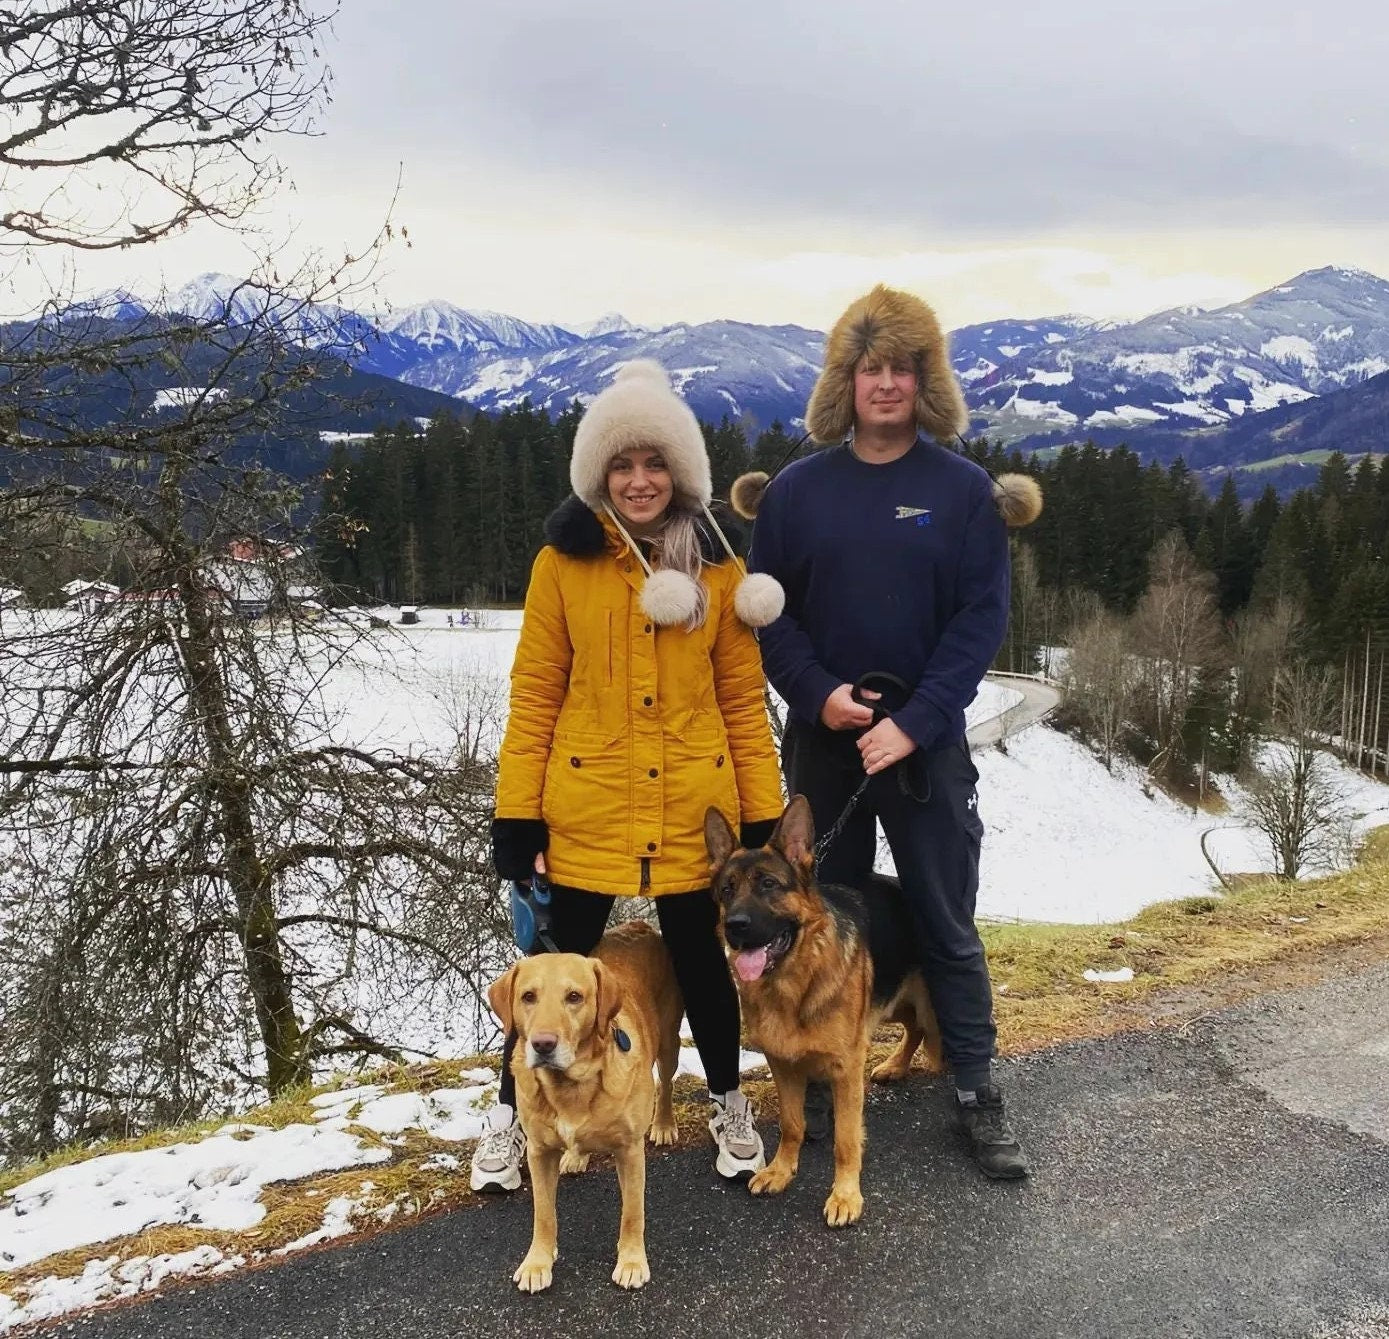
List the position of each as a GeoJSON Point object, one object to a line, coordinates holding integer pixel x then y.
{"type": "Point", "coordinates": [1187, 957]}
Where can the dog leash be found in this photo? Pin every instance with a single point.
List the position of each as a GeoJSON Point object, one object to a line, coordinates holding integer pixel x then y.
{"type": "Point", "coordinates": [827, 840]}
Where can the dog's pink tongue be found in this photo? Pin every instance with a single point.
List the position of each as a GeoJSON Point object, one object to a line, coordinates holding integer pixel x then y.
{"type": "Point", "coordinates": [751, 964]}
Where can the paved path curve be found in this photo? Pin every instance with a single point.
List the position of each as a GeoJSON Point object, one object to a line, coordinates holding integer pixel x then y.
{"type": "Point", "coordinates": [1039, 699]}
{"type": "Point", "coordinates": [1226, 1179]}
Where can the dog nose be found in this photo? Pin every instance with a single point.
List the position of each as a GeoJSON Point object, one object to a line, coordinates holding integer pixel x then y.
{"type": "Point", "coordinates": [737, 924]}
{"type": "Point", "coordinates": [544, 1043]}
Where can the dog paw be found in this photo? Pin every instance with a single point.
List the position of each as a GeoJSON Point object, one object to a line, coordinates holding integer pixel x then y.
{"type": "Point", "coordinates": [572, 1163]}
{"type": "Point", "coordinates": [664, 1135]}
{"type": "Point", "coordinates": [534, 1274]}
{"type": "Point", "coordinates": [632, 1271]}
{"type": "Point", "coordinates": [888, 1072]}
{"type": "Point", "coordinates": [843, 1207]}
{"type": "Point", "coordinates": [771, 1180]}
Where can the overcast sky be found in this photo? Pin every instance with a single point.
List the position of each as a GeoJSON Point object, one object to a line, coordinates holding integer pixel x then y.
{"type": "Point", "coordinates": [766, 160]}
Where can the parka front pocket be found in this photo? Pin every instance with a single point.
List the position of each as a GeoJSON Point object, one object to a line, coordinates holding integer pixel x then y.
{"type": "Point", "coordinates": [587, 785]}
{"type": "Point", "coordinates": [699, 772]}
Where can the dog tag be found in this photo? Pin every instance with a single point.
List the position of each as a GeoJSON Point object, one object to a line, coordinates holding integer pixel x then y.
{"type": "Point", "coordinates": [624, 1042]}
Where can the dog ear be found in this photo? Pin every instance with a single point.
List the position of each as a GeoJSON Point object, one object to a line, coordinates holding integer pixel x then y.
{"type": "Point", "coordinates": [499, 996]}
{"type": "Point", "coordinates": [719, 837]}
{"type": "Point", "coordinates": [794, 836]}
{"type": "Point", "coordinates": [609, 996]}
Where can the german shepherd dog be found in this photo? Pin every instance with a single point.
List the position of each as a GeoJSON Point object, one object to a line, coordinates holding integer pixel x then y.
{"type": "Point", "coordinates": [818, 967]}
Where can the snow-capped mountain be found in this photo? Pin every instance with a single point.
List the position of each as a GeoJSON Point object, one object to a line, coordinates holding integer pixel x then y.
{"type": "Point", "coordinates": [440, 327]}
{"type": "Point", "coordinates": [116, 304]}
{"type": "Point", "coordinates": [752, 372]}
{"type": "Point", "coordinates": [1322, 331]}
{"type": "Point", "coordinates": [1032, 383]}
{"type": "Point", "coordinates": [611, 323]}
{"type": "Point", "coordinates": [979, 351]}
{"type": "Point", "coordinates": [323, 326]}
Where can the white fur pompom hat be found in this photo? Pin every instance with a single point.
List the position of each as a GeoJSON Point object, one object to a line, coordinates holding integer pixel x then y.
{"type": "Point", "coordinates": [640, 409]}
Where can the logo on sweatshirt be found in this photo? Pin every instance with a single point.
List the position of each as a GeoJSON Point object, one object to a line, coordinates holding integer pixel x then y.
{"type": "Point", "coordinates": [916, 515]}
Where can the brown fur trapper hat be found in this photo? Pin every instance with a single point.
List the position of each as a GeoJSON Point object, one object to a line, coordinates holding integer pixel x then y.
{"type": "Point", "coordinates": [890, 325]}
{"type": "Point", "coordinates": [640, 409]}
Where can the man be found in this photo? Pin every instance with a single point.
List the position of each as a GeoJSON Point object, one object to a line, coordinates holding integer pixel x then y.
{"type": "Point", "coordinates": [894, 558]}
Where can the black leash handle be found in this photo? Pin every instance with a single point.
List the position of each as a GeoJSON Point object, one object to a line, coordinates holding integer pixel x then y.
{"type": "Point", "coordinates": [893, 693]}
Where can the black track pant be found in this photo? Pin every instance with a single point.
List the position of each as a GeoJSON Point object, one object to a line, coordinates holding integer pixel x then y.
{"type": "Point", "coordinates": [688, 922]}
{"type": "Point", "coordinates": [935, 846]}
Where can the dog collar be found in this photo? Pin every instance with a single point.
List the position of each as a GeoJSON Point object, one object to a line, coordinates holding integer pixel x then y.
{"type": "Point", "coordinates": [624, 1042]}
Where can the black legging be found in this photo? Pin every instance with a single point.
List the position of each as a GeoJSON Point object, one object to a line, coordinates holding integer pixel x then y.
{"type": "Point", "coordinates": [688, 922]}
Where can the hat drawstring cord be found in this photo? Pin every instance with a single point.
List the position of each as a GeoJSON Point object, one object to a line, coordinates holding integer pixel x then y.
{"type": "Point", "coordinates": [631, 543]}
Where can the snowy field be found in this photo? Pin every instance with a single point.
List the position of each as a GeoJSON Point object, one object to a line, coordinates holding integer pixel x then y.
{"type": "Point", "coordinates": [1064, 839]}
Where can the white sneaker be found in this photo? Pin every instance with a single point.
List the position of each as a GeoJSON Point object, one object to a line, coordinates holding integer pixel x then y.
{"type": "Point", "coordinates": [740, 1146]}
{"type": "Point", "coordinates": [497, 1157]}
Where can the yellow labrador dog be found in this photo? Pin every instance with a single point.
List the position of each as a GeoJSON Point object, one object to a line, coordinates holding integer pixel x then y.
{"type": "Point", "coordinates": [588, 1032]}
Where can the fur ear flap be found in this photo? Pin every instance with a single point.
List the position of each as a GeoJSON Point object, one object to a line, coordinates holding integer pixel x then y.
{"type": "Point", "coordinates": [719, 838]}
{"type": "Point", "coordinates": [499, 996]}
{"type": "Point", "coordinates": [609, 997]}
{"type": "Point", "coordinates": [794, 836]}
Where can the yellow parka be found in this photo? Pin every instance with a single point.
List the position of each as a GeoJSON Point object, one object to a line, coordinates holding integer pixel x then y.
{"type": "Point", "coordinates": [623, 733]}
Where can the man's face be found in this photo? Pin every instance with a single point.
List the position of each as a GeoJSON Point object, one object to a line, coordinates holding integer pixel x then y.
{"type": "Point", "coordinates": [884, 393]}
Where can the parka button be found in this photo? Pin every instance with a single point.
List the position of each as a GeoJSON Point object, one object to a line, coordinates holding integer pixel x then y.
{"type": "Point", "coordinates": [648, 627]}
{"type": "Point", "coordinates": [574, 762]}
{"type": "Point", "coordinates": [650, 846]}
{"type": "Point", "coordinates": [653, 773]}
{"type": "Point", "coordinates": [719, 761]}
{"type": "Point", "coordinates": [646, 702]}
{"type": "Point", "coordinates": [626, 567]}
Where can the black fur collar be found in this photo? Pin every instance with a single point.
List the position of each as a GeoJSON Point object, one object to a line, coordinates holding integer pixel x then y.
{"type": "Point", "coordinates": [575, 530]}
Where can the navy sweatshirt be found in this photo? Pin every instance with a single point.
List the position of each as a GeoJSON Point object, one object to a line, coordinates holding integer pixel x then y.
{"type": "Point", "coordinates": [900, 567]}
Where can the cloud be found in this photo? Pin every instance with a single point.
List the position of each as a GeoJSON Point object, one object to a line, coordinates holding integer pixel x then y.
{"type": "Point", "coordinates": [768, 160]}
{"type": "Point", "coordinates": [1079, 113]}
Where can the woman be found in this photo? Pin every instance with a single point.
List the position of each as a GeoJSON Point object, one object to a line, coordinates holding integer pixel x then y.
{"type": "Point", "coordinates": [636, 703]}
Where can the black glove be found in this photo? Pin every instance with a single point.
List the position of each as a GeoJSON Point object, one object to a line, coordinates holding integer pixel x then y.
{"type": "Point", "coordinates": [753, 835]}
{"type": "Point", "coordinates": [515, 844]}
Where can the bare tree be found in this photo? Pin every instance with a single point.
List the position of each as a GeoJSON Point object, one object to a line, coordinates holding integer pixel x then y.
{"type": "Point", "coordinates": [1262, 647]}
{"type": "Point", "coordinates": [1177, 633]}
{"type": "Point", "coordinates": [1294, 801]}
{"type": "Point", "coordinates": [203, 882]}
{"type": "Point", "coordinates": [129, 120]}
{"type": "Point", "coordinates": [1101, 680]}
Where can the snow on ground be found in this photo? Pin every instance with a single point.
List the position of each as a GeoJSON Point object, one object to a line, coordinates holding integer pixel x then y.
{"type": "Point", "coordinates": [216, 1183]}
{"type": "Point", "coordinates": [1065, 840]}
{"type": "Point", "coordinates": [213, 1183]}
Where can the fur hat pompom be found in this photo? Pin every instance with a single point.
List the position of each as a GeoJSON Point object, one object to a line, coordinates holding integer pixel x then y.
{"type": "Point", "coordinates": [640, 409]}
{"type": "Point", "coordinates": [669, 598]}
{"type": "Point", "coordinates": [759, 600]}
{"type": "Point", "coordinates": [1018, 498]}
{"type": "Point", "coordinates": [745, 497]}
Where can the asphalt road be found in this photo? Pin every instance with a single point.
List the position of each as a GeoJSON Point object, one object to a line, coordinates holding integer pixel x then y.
{"type": "Point", "coordinates": [1038, 700]}
{"type": "Point", "coordinates": [1229, 1178]}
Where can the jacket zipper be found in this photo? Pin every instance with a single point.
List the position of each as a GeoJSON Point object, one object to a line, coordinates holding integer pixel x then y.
{"type": "Point", "coordinates": [645, 889]}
